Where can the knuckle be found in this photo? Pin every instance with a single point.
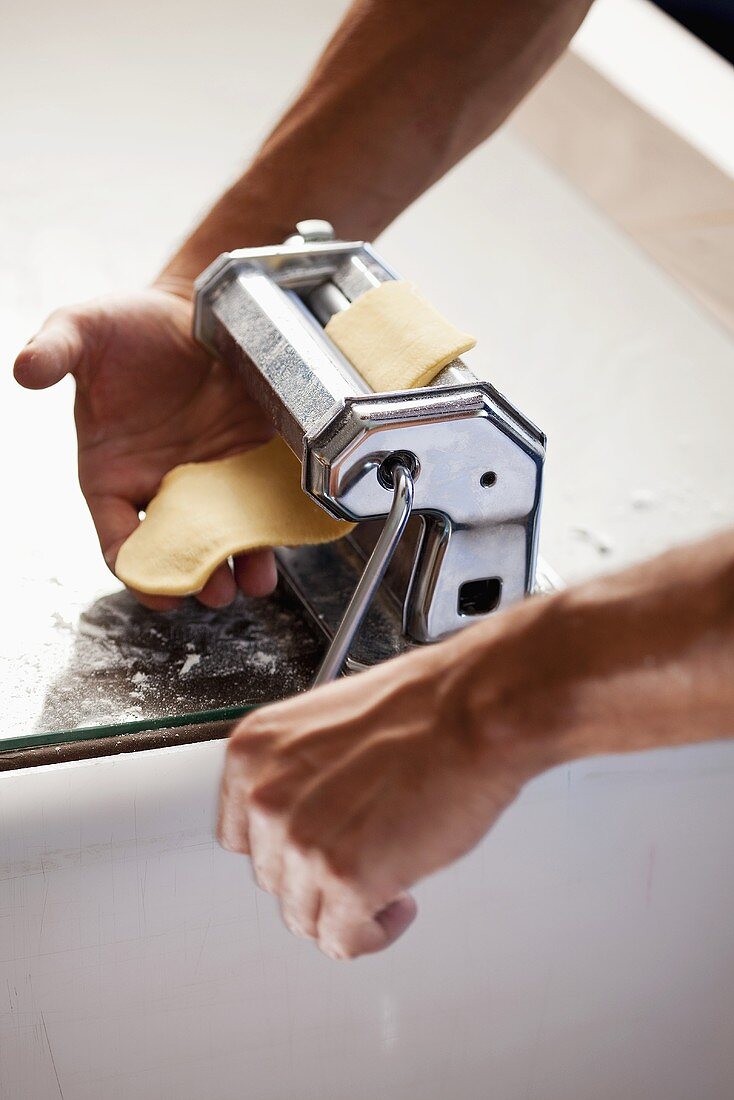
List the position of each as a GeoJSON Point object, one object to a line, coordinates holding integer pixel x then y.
{"type": "Point", "coordinates": [232, 833]}
{"type": "Point", "coordinates": [268, 798]}
{"type": "Point", "coordinates": [75, 315]}
{"type": "Point", "coordinates": [333, 950]}
{"type": "Point", "coordinates": [262, 879]}
{"type": "Point", "coordinates": [302, 854]}
{"type": "Point", "coordinates": [296, 925]}
{"type": "Point", "coordinates": [251, 734]}
{"type": "Point", "coordinates": [339, 866]}
{"type": "Point", "coordinates": [229, 842]}
{"type": "Point", "coordinates": [243, 751]}
{"type": "Point", "coordinates": [62, 313]}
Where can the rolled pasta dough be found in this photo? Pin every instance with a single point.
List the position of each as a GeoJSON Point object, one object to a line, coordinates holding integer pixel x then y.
{"type": "Point", "coordinates": [395, 338]}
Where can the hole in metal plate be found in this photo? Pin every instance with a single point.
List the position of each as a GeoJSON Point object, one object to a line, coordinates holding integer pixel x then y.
{"type": "Point", "coordinates": [480, 596]}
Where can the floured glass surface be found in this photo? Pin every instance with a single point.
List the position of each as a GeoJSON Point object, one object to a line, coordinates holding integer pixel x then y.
{"type": "Point", "coordinates": [92, 668]}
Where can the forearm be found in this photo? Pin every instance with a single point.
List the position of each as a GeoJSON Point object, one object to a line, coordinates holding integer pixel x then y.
{"type": "Point", "coordinates": [632, 661]}
{"type": "Point", "coordinates": [403, 91]}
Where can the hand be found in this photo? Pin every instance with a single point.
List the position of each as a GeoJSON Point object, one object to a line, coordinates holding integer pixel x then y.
{"type": "Point", "coordinates": [346, 796]}
{"type": "Point", "coordinates": [147, 399]}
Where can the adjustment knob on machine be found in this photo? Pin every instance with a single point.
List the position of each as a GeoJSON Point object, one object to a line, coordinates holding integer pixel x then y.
{"type": "Point", "coordinates": [314, 229]}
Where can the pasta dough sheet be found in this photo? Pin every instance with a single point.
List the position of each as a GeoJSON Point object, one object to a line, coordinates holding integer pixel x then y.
{"type": "Point", "coordinates": [395, 338]}
{"type": "Point", "coordinates": [204, 512]}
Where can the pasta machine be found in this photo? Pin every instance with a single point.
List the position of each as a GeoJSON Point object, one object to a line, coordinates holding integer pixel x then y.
{"type": "Point", "coordinates": [444, 482]}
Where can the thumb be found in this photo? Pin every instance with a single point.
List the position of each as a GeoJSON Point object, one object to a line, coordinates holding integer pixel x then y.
{"type": "Point", "coordinates": [345, 936]}
{"type": "Point", "coordinates": [57, 350]}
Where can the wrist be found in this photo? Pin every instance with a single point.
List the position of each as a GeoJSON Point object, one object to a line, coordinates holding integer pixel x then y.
{"type": "Point", "coordinates": [520, 678]}
{"type": "Point", "coordinates": [627, 662]}
{"type": "Point", "coordinates": [260, 209]}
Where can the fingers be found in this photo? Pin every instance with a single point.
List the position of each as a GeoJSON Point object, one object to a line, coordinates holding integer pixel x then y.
{"type": "Point", "coordinates": [156, 603]}
{"type": "Point", "coordinates": [233, 827]}
{"type": "Point", "coordinates": [55, 351]}
{"type": "Point", "coordinates": [397, 917]}
{"type": "Point", "coordinates": [233, 832]}
{"type": "Point", "coordinates": [266, 840]}
{"type": "Point", "coordinates": [315, 904]}
{"type": "Point", "coordinates": [335, 916]}
{"type": "Point", "coordinates": [255, 572]}
{"type": "Point", "coordinates": [220, 589]}
{"type": "Point", "coordinates": [348, 898]}
{"type": "Point", "coordinates": [300, 895]}
{"type": "Point", "coordinates": [347, 929]}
